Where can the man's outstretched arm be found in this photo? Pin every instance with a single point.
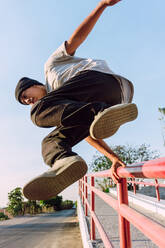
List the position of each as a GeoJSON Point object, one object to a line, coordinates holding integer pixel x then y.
{"type": "Point", "coordinates": [102, 147]}
{"type": "Point", "coordinates": [81, 33]}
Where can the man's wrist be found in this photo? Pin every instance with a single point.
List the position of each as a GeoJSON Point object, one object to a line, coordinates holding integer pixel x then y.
{"type": "Point", "coordinates": [103, 4]}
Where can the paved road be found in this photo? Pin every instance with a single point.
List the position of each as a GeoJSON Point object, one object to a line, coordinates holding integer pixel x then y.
{"type": "Point", "coordinates": [55, 230]}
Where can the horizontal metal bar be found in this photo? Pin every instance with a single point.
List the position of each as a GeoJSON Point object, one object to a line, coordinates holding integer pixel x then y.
{"type": "Point", "coordinates": [143, 183]}
{"type": "Point", "coordinates": [146, 183]}
{"type": "Point", "coordinates": [88, 204]}
{"type": "Point", "coordinates": [101, 231]}
{"type": "Point", "coordinates": [148, 227]}
{"type": "Point", "coordinates": [106, 198]}
{"type": "Point", "coordinates": [100, 228]}
{"type": "Point", "coordinates": [150, 169]}
{"type": "Point", "coordinates": [105, 173]}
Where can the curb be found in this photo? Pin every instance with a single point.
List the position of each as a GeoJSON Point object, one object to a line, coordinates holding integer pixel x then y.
{"type": "Point", "coordinates": [83, 226]}
{"type": "Point", "coordinates": [149, 203]}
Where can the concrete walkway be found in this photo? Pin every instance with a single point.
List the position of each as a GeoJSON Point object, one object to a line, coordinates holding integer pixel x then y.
{"type": "Point", "coordinates": [54, 230]}
{"type": "Point", "coordinates": [109, 219]}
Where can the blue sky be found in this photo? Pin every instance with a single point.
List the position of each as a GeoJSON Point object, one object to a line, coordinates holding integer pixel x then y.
{"type": "Point", "coordinates": [129, 36]}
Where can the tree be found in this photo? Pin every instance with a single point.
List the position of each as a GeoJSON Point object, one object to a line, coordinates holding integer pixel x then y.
{"type": "Point", "coordinates": [54, 202]}
{"type": "Point", "coordinates": [128, 154]}
{"type": "Point", "coordinates": [3, 216]}
{"type": "Point", "coordinates": [135, 154]}
{"type": "Point", "coordinates": [162, 120]}
{"type": "Point", "coordinates": [31, 207]}
{"type": "Point", "coordinates": [67, 204]}
{"type": "Point", "coordinates": [15, 201]}
{"type": "Point", "coordinates": [101, 163]}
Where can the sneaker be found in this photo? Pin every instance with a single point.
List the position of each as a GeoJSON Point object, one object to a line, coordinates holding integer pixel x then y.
{"type": "Point", "coordinates": [107, 122]}
{"type": "Point", "coordinates": [64, 172]}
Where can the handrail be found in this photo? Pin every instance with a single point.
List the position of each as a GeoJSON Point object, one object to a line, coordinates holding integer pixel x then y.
{"type": "Point", "coordinates": [150, 169]}
{"type": "Point", "coordinates": [154, 231]}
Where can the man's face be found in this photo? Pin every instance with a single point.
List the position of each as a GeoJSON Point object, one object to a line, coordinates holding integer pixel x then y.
{"type": "Point", "coordinates": [33, 94]}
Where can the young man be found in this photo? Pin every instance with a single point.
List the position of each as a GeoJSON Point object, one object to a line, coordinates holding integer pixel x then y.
{"type": "Point", "coordinates": [84, 99]}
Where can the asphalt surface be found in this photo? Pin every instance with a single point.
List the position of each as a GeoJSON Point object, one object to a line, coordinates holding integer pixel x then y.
{"type": "Point", "coordinates": [53, 230]}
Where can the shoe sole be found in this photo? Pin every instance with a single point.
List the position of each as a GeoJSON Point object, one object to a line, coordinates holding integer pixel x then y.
{"type": "Point", "coordinates": [46, 187]}
{"type": "Point", "coordinates": [107, 124]}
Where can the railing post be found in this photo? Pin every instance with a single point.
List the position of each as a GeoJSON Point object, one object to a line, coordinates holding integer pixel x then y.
{"type": "Point", "coordinates": [134, 186]}
{"type": "Point", "coordinates": [83, 191]}
{"type": "Point", "coordinates": [86, 196]}
{"type": "Point", "coordinates": [124, 225]}
{"type": "Point", "coordinates": [157, 189]}
{"type": "Point", "coordinates": [92, 232]}
{"type": "Point", "coordinates": [79, 188]}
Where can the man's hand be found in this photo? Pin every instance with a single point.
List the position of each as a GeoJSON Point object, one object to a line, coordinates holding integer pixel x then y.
{"type": "Point", "coordinates": [115, 164]}
{"type": "Point", "coordinates": [110, 2]}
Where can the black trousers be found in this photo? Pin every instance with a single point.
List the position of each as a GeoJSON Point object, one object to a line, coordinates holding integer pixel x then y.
{"type": "Point", "coordinates": [72, 108]}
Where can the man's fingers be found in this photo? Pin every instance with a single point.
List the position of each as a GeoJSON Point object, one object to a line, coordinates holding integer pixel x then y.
{"type": "Point", "coordinates": [116, 164]}
{"type": "Point", "coordinates": [123, 165]}
{"type": "Point", "coordinates": [115, 177]}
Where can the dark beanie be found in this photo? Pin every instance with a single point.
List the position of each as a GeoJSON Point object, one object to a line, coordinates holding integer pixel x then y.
{"type": "Point", "coordinates": [23, 84]}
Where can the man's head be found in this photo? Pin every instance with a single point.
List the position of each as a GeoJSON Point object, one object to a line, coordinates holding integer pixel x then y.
{"type": "Point", "coordinates": [29, 91]}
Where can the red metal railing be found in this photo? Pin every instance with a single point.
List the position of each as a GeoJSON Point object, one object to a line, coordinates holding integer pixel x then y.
{"type": "Point", "coordinates": [152, 169]}
{"type": "Point", "coordinates": [156, 184]}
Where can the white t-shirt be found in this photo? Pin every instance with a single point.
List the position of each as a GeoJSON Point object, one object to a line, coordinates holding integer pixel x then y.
{"type": "Point", "coordinates": [60, 67]}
